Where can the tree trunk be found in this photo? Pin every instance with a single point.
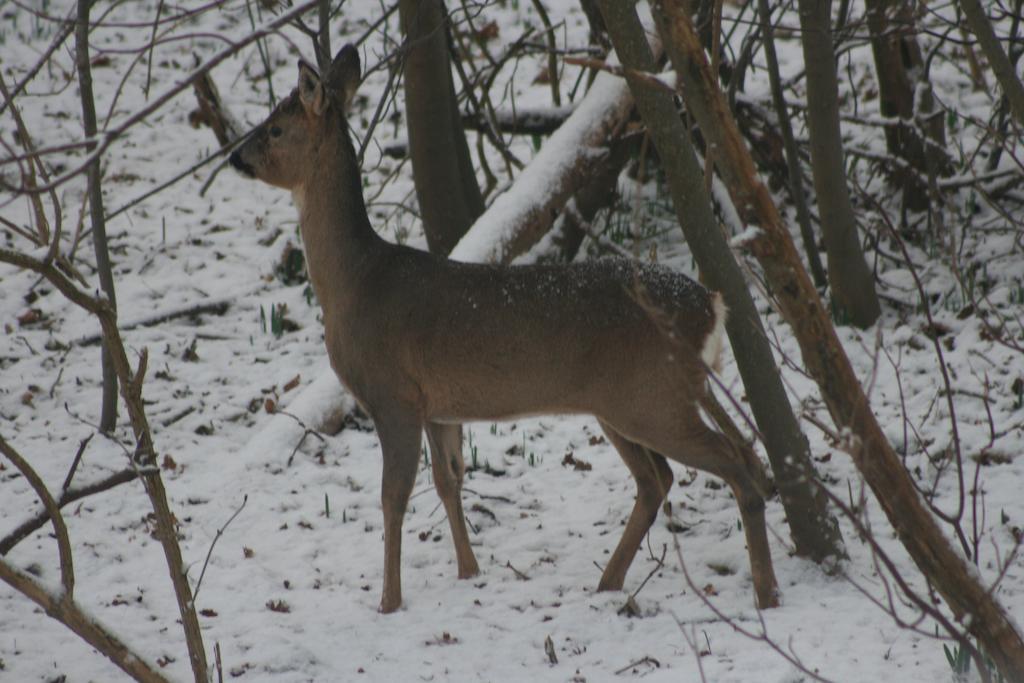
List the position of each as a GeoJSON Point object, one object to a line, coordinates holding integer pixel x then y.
{"type": "Point", "coordinates": [108, 405]}
{"type": "Point", "coordinates": [997, 59]}
{"type": "Point", "coordinates": [323, 39]}
{"type": "Point", "coordinates": [446, 186]}
{"type": "Point", "coordinates": [796, 178]}
{"type": "Point", "coordinates": [815, 533]}
{"type": "Point", "coordinates": [826, 361]}
{"type": "Point", "coordinates": [897, 58]}
{"type": "Point", "coordinates": [853, 287]}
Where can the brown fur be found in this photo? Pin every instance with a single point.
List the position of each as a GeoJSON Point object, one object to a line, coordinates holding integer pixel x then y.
{"type": "Point", "coordinates": [425, 343]}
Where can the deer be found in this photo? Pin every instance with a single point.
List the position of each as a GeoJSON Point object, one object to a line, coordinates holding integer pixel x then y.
{"type": "Point", "coordinates": [425, 343]}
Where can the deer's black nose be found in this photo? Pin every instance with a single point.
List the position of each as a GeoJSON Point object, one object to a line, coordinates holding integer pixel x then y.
{"type": "Point", "coordinates": [236, 161]}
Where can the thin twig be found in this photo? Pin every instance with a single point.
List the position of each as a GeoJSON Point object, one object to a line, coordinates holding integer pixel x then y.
{"type": "Point", "coordinates": [215, 307]}
{"type": "Point", "coordinates": [74, 464]}
{"type": "Point", "coordinates": [144, 455]}
{"type": "Point", "coordinates": [519, 575]}
{"type": "Point", "coordinates": [644, 77]}
{"type": "Point", "coordinates": [643, 660]}
{"type": "Point", "coordinates": [25, 529]}
{"type": "Point", "coordinates": [659, 564]}
{"type": "Point", "coordinates": [953, 519]}
{"type": "Point", "coordinates": [152, 46]}
{"type": "Point", "coordinates": [209, 552]}
{"type": "Point", "coordinates": [105, 139]}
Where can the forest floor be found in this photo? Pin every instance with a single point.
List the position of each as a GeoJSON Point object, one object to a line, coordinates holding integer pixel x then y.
{"type": "Point", "coordinates": [292, 585]}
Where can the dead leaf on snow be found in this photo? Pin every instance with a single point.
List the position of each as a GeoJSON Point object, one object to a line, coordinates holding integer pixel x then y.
{"type": "Point", "coordinates": [278, 606]}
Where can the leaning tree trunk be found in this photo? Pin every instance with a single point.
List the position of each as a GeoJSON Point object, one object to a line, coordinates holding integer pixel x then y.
{"type": "Point", "coordinates": [446, 187]}
{"type": "Point", "coordinates": [997, 58]}
{"type": "Point", "coordinates": [957, 582]}
{"type": "Point", "coordinates": [898, 66]}
{"type": "Point", "coordinates": [815, 532]}
{"type": "Point", "coordinates": [853, 286]}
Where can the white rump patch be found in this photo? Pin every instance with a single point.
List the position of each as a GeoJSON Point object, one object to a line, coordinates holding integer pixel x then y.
{"type": "Point", "coordinates": [299, 200]}
{"type": "Point", "coordinates": [711, 353]}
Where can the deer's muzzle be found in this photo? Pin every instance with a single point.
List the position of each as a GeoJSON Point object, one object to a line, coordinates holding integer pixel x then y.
{"type": "Point", "coordinates": [238, 163]}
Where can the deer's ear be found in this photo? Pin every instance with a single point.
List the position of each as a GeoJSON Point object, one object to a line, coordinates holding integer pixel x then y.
{"type": "Point", "coordinates": [311, 90]}
{"type": "Point", "coordinates": [345, 74]}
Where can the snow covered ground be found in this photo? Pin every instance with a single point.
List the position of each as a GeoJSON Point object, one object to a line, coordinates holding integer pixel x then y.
{"type": "Point", "coordinates": [292, 585]}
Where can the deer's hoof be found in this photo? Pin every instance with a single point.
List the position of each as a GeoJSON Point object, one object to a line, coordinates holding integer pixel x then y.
{"type": "Point", "coordinates": [469, 572]}
{"type": "Point", "coordinates": [389, 605]}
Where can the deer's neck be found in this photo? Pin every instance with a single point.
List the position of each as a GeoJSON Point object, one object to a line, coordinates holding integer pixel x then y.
{"type": "Point", "coordinates": [339, 242]}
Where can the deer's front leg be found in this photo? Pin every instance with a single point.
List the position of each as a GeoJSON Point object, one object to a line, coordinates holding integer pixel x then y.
{"type": "Point", "coordinates": [400, 445]}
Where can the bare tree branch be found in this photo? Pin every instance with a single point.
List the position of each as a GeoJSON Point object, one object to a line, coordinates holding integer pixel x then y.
{"type": "Point", "coordinates": [105, 139]}
{"type": "Point", "coordinates": [26, 528]}
{"type": "Point", "coordinates": [67, 570]}
{"type": "Point", "coordinates": [91, 631]}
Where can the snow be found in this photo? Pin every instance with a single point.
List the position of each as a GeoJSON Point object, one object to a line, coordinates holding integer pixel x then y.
{"type": "Point", "coordinates": [309, 535]}
{"type": "Point", "coordinates": [744, 238]}
{"type": "Point", "coordinates": [320, 406]}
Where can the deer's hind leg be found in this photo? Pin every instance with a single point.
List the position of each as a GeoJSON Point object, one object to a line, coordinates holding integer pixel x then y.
{"type": "Point", "coordinates": [653, 478]}
{"type": "Point", "coordinates": [692, 443]}
{"type": "Point", "coordinates": [449, 468]}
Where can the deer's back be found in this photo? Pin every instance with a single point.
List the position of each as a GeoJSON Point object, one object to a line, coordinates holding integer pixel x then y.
{"type": "Point", "coordinates": [488, 342]}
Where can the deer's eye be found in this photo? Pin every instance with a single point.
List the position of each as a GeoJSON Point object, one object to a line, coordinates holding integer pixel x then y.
{"type": "Point", "coordinates": [275, 131]}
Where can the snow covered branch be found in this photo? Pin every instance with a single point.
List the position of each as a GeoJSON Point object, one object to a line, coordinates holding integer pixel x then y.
{"type": "Point", "coordinates": [521, 216]}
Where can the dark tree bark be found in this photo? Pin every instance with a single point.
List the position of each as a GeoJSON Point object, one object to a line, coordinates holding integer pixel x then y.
{"type": "Point", "coordinates": [972, 604]}
{"type": "Point", "coordinates": [997, 58]}
{"type": "Point", "coordinates": [815, 532]}
{"type": "Point", "coordinates": [598, 33]}
{"type": "Point", "coordinates": [898, 65]}
{"type": "Point", "coordinates": [108, 410]}
{"type": "Point", "coordinates": [853, 286]}
{"type": "Point", "coordinates": [323, 40]}
{"type": "Point", "coordinates": [446, 187]}
{"type": "Point", "coordinates": [598, 193]}
{"type": "Point", "coordinates": [796, 178]}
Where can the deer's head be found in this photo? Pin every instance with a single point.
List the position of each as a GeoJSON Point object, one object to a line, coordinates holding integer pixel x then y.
{"type": "Point", "coordinates": [282, 150]}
